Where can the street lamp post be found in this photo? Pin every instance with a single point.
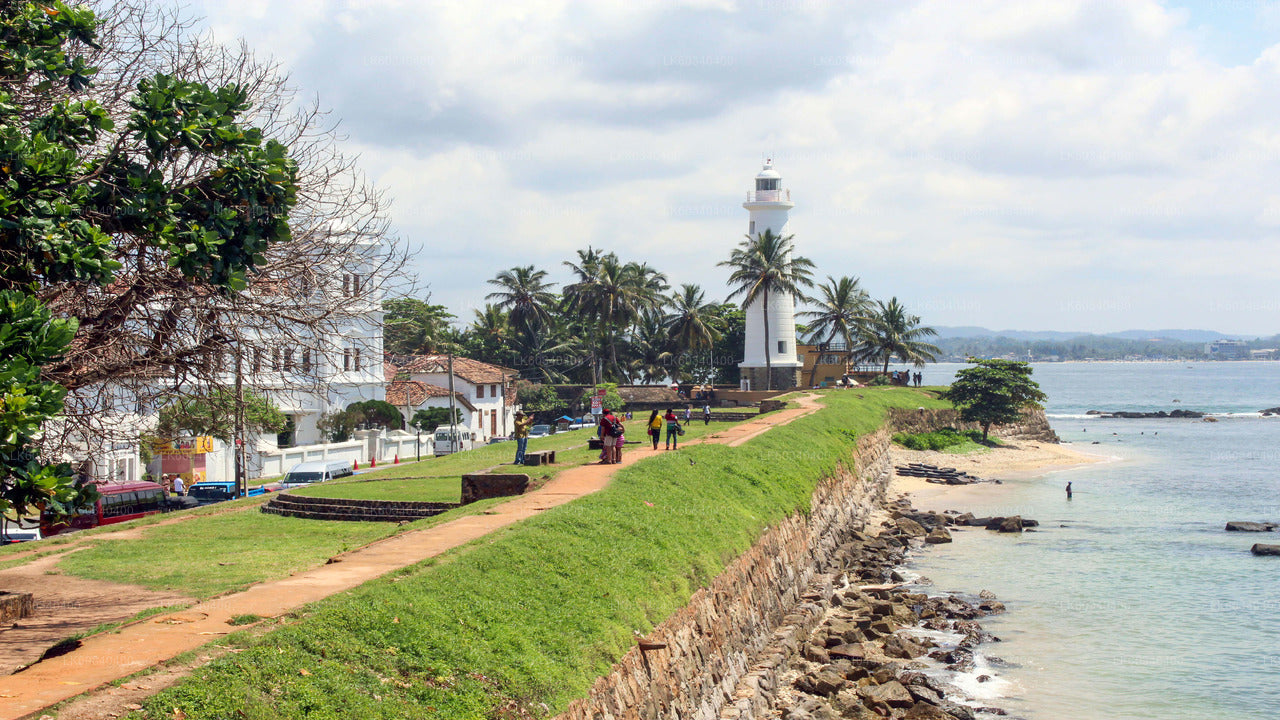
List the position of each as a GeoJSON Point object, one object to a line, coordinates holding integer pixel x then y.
{"type": "Point", "coordinates": [418, 443]}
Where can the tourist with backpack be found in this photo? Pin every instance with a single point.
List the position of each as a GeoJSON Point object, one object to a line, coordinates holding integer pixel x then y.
{"type": "Point", "coordinates": [611, 430]}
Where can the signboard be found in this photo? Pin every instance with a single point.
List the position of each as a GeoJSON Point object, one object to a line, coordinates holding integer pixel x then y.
{"type": "Point", "coordinates": [597, 405]}
{"type": "Point", "coordinates": [185, 446]}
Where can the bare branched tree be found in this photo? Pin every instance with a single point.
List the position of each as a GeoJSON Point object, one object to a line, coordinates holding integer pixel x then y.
{"type": "Point", "coordinates": [313, 300]}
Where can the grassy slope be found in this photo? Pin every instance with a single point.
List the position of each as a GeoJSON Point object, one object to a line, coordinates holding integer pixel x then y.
{"type": "Point", "coordinates": [534, 613]}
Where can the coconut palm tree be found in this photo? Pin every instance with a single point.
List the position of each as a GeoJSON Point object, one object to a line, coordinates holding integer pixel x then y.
{"type": "Point", "coordinates": [612, 295]}
{"type": "Point", "coordinates": [525, 294]}
{"type": "Point", "coordinates": [693, 324]}
{"type": "Point", "coordinates": [763, 266]}
{"type": "Point", "coordinates": [843, 308]}
{"type": "Point", "coordinates": [893, 331]}
{"type": "Point", "coordinates": [649, 349]}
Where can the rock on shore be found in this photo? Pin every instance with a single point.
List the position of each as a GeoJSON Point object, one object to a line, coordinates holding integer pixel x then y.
{"type": "Point", "coordinates": [1247, 526]}
{"type": "Point", "coordinates": [1159, 414]}
{"type": "Point", "coordinates": [1260, 549]}
{"type": "Point", "coordinates": [861, 662]}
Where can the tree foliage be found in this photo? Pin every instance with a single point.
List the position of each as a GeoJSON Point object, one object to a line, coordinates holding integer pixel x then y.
{"type": "Point", "coordinates": [86, 189]}
{"type": "Point", "coordinates": [214, 414]}
{"type": "Point", "coordinates": [994, 392]}
{"type": "Point", "coordinates": [414, 327]}
{"type": "Point", "coordinates": [431, 418]}
{"type": "Point", "coordinates": [890, 331]}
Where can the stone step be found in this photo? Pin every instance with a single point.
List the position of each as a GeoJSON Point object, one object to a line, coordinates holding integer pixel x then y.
{"type": "Point", "coordinates": [353, 510]}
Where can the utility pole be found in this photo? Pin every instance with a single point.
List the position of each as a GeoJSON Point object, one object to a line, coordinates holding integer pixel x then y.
{"type": "Point", "coordinates": [454, 440]}
{"type": "Point", "coordinates": [242, 482]}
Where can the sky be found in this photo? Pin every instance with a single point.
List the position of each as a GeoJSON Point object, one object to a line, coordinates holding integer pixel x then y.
{"type": "Point", "coordinates": [1048, 165]}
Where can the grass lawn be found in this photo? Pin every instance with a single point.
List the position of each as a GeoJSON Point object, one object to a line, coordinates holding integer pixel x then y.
{"type": "Point", "coordinates": [428, 489]}
{"type": "Point", "coordinates": [534, 613]}
{"type": "Point", "coordinates": [219, 552]}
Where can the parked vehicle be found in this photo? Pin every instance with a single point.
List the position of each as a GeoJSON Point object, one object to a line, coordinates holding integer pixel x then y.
{"type": "Point", "coordinates": [307, 473]}
{"type": "Point", "coordinates": [117, 502]}
{"type": "Point", "coordinates": [539, 430]}
{"type": "Point", "coordinates": [11, 533]}
{"type": "Point", "coordinates": [213, 491]}
{"type": "Point", "coordinates": [451, 438]}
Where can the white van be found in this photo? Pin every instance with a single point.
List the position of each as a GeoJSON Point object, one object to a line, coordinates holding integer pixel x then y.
{"type": "Point", "coordinates": [452, 438]}
{"type": "Point", "coordinates": [306, 473]}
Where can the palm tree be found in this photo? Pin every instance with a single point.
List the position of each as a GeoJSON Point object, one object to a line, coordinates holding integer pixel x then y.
{"type": "Point", "coordinates": [843, 309]}
{"type": "Point", "coordinates": [893, 331]}
{"type": "Point", "coordinates": [612, 296]}
{"type": "Point", "coordinates": [649, 349]}
{"type": "Point", "coordinates": [525, 294]}
{"type": "Point", "coordinates": [692, 324]}
{"type": "Point", "coordinates": [762, 266]}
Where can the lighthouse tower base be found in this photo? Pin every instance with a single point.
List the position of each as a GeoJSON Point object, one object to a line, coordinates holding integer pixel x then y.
{"type": "Point", "coordinates": [785, 377]}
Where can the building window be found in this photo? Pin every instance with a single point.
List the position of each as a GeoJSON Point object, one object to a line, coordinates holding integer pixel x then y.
{"type": "Point", "coordinates": [346, 359]}
{"type": "Point", "coordinates": [350, 284]}
{"type": "Point", "coordinates": [257, 360]}
{"type": "Point", "coordinates": [782, 347]}
{"type": "Point", "coordinates": [355, 359]}
{"type": "Point", "coordinates": [288, 360]}
{"type": "Point", "coordinates": [752, 229]}
{"type": "Point", "coordinates": [479, 391]}
{"type": "Point", "coordinates": [766, 183]}
{"type": "Point", "coordinates": [275, 359]}
{"type": "Point", "coordinates": [493, 391]}
{"type": "Point", "coordinates": [306, 360]}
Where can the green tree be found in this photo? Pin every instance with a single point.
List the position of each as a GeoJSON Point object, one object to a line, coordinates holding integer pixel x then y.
{"type": "Point", "coordinates": [376, 413]}
{"type": "Point", "coordinates": [76, 194]}
{"type": "Point", "coordinates": [994, 392]}
{"type": "Point", "coordinates": [538, 398]}
{"type": "Point", "coordinates": [526, 296]}
{"type": "Point", "coordinates": [763, 266]}
{"type": "Point", "coordinates": [891, 331]}
{"type": "Point", "coordinates": [612, 400]}
{"type": "Point", "coordinates": [431, 418]}
{"type": "Point", "coordinates": [611, 296]}
{"type": "Point", "coordinates": [214, 414]}
{"type": "Point", "coordinates": [693, 323]}
{"type": "Point", "coordinates": [843, 309]}
{"type": "Point", "coordinates": [415, 327]}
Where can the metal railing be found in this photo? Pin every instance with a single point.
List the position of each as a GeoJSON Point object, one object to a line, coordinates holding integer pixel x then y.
{"type": "Point", "coordinates": [769, 195]}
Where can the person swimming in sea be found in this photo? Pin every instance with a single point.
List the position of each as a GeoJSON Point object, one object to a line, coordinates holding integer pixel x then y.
{"type": "Point", "coordinates": [1068, 491]}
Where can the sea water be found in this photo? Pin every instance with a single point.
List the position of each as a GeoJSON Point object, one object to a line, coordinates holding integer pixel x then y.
{"type": "Point", "coordinates": [1131, 601]}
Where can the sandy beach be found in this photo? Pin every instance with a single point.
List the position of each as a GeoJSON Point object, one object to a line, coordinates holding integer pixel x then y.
{"type": "Point", "coordinates": [1014, 459]}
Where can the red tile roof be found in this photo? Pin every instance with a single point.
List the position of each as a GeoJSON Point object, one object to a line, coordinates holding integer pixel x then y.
{"type": "Point", "coordinates": [473, 371]}
{"type": "Point", "coordinates": [412, 393]}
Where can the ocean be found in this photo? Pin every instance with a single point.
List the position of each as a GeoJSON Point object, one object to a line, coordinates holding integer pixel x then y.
{"type": "Point", "coordinates": [1131, 601]}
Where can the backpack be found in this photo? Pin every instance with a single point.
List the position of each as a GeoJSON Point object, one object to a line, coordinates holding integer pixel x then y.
{"type": "Point", "coordinates": [612, 427]}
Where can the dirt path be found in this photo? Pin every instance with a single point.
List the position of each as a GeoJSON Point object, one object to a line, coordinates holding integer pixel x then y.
{"type": "Point", "coordinates": [111, 656]}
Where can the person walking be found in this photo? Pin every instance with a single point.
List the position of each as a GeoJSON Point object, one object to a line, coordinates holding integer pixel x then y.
{"type": "Point", "coordinates": [521, 434]}
{"type": "Point", "coordinates": [706, 414]}
{"type": "Point", "coordinates": [179, 486]}
{"type": "Point", "coordinates": [655, 428]}
{"type": "Point", "coordinates": [673, 429]}
{"type": "Point", "coordinates": [688, 414]}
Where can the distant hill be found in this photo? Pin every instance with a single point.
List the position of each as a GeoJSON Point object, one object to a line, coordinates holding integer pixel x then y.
{"type": "Point", "coordinates": [970, 331]}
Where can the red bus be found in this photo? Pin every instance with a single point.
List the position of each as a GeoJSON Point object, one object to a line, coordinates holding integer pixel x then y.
{"type": "Point", "coordinates": [117, 502]}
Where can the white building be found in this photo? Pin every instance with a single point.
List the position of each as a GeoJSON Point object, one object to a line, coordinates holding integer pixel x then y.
{"type": "Point", "coordinates": [769, 205]}
{"type": "Point", "coordinates": [483, 392]}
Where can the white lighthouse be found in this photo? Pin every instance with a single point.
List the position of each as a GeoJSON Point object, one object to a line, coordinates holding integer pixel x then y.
{"type": "Point", "coordinates": [768, 205]}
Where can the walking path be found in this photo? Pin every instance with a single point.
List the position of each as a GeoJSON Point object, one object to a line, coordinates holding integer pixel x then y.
{"type": "Point", "coordinates": [110, 656]}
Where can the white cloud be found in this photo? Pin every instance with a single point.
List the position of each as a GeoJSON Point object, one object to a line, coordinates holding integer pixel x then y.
{"type": "Point", "coordinates": [989, 162]}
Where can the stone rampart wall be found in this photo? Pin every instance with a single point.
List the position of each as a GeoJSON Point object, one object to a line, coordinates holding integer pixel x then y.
{"type": "Point", "coordinates": [707, 656]}
{"type": "Point", "coordinates": [721, 655]}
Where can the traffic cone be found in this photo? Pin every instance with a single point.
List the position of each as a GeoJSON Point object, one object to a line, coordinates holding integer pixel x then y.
{"type": "Point", "coordinates": [397, 460]}
{"type": "Point", "coordinates": [355, 465]}
{"type": "Point", "coordinates": [373, 462]}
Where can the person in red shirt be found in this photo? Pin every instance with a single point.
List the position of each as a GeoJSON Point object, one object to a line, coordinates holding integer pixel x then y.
{"type": "Point", "coordinates": [673, 429]}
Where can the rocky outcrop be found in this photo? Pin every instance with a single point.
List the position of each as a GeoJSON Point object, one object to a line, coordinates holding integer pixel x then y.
{"type": "Point", "coordinates": [1246, 526]}
{"type": "Point", "coordinates": [1260, 549]}
{"type": "Point", "coordinates": [1033, 426]}
{"type": "Point", "coordinates": [1157, 415]}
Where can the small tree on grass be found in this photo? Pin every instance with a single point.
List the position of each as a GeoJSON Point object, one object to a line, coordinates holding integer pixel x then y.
{"type": "Point", "coordinates": [994, 391]}
{"type": "Point", "coordinates": [431, 418]}
{"type": "Point", "coordinates": [215, 415]}
{"type": "Point", "coordinates": [612, 400]}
